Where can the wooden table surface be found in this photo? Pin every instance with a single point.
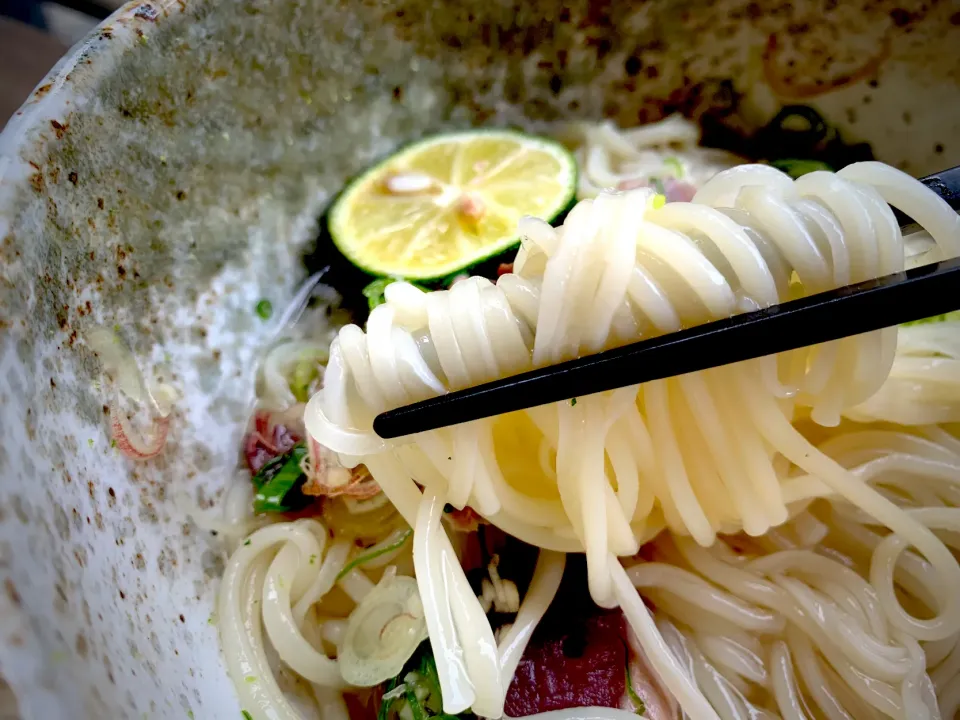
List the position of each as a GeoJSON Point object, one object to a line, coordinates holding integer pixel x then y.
{"type": "Point", "coordinates": [26, 54]}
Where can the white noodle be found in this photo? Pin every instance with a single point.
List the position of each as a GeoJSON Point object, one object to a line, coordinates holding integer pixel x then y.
{"type": "Point", "coordinates": [708, 459]}
{"type": "Point", "coordinates": [799, 578]}
{"type": "Point", "coordinates": [543, 588]}
{"type": "Point", "coordinates": [259, 588]}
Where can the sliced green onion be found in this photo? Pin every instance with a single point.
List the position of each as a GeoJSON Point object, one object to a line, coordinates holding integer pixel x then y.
{"type": "Point", "coordinates": [246, 715]}
{"type": "Point", "coordinates": [674, 165]}
{"type": "Point", "coordinates": [375, 552]}
{"type": "Point", "coordinates": [658, 186]}
{"type": "Point", "coordinates": [264, 309]}
{"type": "Point", "coordinates": [305, 372]}
{"type": "Point", "coordinates": [305, 363]}
{"type": "Point", "coordinates": [383, 632]}
{"type": "Point", "coordinates": [796, 168]}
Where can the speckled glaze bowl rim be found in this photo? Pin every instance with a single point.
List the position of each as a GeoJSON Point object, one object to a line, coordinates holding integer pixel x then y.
{"type": "Point", "coordinates": [38, 132]}
{"type": "Point", "coordinates": [37, 123]}
{"type": "Point", "coordinates": [44, 113]}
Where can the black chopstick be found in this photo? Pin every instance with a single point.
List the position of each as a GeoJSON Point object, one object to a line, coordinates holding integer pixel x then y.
{"type": "Point", "coordinates": [851, 310]}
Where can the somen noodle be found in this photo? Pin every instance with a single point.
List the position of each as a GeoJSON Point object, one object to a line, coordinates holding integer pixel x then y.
{"type": "Point", "coordinates": [781, 535]}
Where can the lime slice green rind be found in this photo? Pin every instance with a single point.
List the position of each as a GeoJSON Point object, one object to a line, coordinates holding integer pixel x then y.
{"type": "Point", "coordinates": [339, 215]}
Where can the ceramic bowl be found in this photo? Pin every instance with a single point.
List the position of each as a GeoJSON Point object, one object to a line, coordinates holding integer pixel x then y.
{"type": "Point", "coordinates": [169, 173]}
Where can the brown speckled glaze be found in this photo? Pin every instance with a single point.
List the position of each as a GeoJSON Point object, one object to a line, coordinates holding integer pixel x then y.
{"type": "Point", "coordinates": [168, 174]}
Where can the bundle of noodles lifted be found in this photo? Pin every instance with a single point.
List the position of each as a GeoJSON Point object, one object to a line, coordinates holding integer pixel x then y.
{"type": "Point", "coordinates": [780, 535]}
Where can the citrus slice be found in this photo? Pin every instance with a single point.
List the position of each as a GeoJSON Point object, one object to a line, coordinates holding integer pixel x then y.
{"type": "Point", "coordinates": [448, 202]}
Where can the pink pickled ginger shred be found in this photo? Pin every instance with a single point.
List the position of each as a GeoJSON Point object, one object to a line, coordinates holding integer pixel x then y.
{"type": "Point", "coordinates": [120, 364]}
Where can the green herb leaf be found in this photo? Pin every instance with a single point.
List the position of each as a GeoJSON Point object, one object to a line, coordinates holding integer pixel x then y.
{"type": "Point", "coordinates": [420, 686]}
{"type": "Point", "coordinates": [428, 669]}
{"type": "Point", "coordinates": [373, 292]}
{"type": "Point", "coordinates": [269, 469]}
{"type": "Point", "coordinates": [264, 309]}
{"type": "Point", "coordinates": [247, 541]}
{"type": "Point", "coordinates": [367, 557]}
{"type": "Point", "coordinates": [573, 402]}
{"type": "Point", "coordinates": [639, 707]}
{"type": "Point", "coordinates": [384, 711]}
{"type": "Point", "coordinates": [277, 492]}
{"type": "Point", "coordinates": [246, 715]}
{"type": "Point", "coordinates": [796, 168]}
{"type": "Point", "coordinates": [415, 707]}
{"type": "Point", "coordinates": [955, 315]}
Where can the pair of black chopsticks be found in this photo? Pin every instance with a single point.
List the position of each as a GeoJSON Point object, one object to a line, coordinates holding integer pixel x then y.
{"type": "Point", "coordinates": [886, 301]}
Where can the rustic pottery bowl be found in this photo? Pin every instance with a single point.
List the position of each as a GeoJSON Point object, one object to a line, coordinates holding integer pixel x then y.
{"type": "Point", "coordinates": [169, 173]}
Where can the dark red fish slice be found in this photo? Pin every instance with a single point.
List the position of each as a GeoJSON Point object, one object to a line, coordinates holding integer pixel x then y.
{"type": "Point", "coordinates": [581, 665]}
